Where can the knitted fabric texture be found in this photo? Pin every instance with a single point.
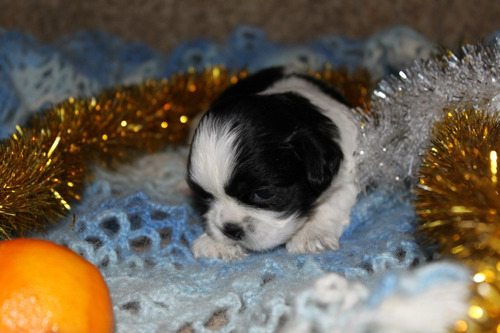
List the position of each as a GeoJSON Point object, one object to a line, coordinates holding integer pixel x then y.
{"type": "Point", "coordinates": [136, 223]}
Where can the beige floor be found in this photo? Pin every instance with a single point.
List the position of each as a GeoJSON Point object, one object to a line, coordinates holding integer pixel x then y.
{"type": "Point", "coordinates": [163, 23]}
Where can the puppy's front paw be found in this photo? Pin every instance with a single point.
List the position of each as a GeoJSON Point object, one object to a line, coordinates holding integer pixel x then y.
{"type": "Point", "coordinates": [307, 242]}
{"type": "Point", "coordinates": [206, 247]}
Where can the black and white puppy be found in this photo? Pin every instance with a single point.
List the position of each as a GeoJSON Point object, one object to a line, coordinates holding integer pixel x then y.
{"type": "Point", "coordinates": [273, 159]}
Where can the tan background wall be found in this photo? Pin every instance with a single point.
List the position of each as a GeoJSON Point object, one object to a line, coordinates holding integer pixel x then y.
{"type": "Point", "coordinates": [163, 23]}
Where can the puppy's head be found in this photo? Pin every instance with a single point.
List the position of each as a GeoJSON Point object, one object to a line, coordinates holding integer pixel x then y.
{"type": "Point", "coordinates": [261, 162]}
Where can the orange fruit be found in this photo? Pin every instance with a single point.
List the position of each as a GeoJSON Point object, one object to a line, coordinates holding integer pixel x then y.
{"type": "Point", "coordinates": [45, 287]}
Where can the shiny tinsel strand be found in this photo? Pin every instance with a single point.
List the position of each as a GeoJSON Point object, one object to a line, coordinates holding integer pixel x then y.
{"type": "Point", "coordinates": [458, 201]}
{"type": "Point", "coordinates": [356, 87]}
{"type": "Point", "coordinates": [121, 122]}
{"type": "Point", "coordinates": [404, 107]}
{"type": "Point", "coordinates": [36, 184]}
{"type": "Point", "coordinates": [45, 163]}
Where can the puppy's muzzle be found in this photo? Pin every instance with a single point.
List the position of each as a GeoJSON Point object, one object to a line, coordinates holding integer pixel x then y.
{"type": "Point", "coordinates": [233, 231]}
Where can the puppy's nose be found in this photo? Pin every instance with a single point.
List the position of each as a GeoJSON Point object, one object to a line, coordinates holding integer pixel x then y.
{"type": "Point", "coordinates": [233, 231]}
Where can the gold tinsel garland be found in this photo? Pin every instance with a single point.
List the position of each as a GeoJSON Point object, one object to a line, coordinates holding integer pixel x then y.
{"type": "Point", "coordinates": [458, 200]}
{"type": "Point", "coordinates": [45, 164]}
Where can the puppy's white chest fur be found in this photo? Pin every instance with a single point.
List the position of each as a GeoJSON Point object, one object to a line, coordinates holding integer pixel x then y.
{"type": "Point", "coordinates": [275, 166]}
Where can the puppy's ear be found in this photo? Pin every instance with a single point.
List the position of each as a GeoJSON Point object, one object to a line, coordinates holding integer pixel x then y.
{"type": "Point", "coordinates": [321, 158]}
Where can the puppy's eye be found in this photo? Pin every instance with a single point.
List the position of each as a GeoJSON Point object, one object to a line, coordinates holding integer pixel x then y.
{"type": "Point", "coordinates": [263, 194]}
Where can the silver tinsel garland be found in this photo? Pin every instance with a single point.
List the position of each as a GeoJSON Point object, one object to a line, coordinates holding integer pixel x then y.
{"type": "Point", "coordinates": [435, 130]}
{"type": "Point", "coordinates": [404, 108]}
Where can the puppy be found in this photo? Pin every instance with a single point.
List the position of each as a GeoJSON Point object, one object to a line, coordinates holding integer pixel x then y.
{"type": "Point", "coordinates": [273, 160]}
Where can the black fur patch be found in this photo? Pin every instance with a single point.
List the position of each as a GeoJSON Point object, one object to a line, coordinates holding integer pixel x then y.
{"type": "Point", "coordinates": [286, 151]}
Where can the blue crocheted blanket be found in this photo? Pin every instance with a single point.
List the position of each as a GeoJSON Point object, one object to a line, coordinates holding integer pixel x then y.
{"type": "Point", "coordinates": [137, 223]}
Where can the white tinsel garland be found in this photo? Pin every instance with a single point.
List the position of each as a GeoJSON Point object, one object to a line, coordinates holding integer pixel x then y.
{"type": "Point", "coordinates": [396, 132]}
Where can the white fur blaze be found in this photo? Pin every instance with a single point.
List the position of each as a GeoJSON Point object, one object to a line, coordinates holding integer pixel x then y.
{"type": "Point", "coordinates": [213, 156]}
